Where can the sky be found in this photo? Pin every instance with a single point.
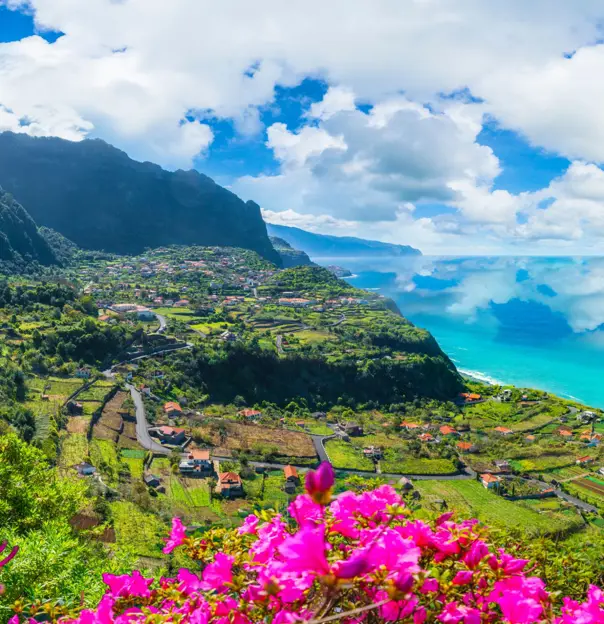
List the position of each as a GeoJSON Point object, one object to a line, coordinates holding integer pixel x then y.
{"type": "Point", "coordinates": [461, 127]}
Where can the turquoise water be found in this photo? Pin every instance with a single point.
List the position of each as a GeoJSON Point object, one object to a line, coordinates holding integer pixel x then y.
{"type": "Point", "coordinates": [535, 322]}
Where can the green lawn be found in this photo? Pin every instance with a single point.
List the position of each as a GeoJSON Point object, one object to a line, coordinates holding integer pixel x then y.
{"type": "Point", "coordinates": [103, 455]}
{"type": "Point", "coordinates": [274, 496]}
{"type": "Point", "coordinates": [344, 455]}
{"type": "Point", "coordinates": [135, 464]}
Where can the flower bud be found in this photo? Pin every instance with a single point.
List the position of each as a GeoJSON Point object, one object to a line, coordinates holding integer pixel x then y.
{"type": "Point", "coordinates": [319, 483]}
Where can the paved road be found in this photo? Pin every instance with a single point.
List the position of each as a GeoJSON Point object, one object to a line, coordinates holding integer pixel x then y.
{"type": "Point", "coordinates": [162, 323]}
{"type": "Point", "coordinates": [279, 343]}
{"type": "Point", "coordinates": [142, 426]}
{"type": "Point", "coordinates": [318, 442]}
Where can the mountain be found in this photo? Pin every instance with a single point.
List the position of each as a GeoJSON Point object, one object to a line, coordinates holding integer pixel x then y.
{"type": "Point", "coordinates": [99, 198]}
{"type": "Point", "coordinates": [290, 257]}
{"type": "Point", "coordinates": [324, 246]}
{"type": "Point", "coordinates": [20, 240]}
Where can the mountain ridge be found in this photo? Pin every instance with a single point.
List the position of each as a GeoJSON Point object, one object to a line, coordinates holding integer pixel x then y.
{"type": "Point", "coordinates": [324, 245]}
{"type": "Point", "coordinates": [98, 197]}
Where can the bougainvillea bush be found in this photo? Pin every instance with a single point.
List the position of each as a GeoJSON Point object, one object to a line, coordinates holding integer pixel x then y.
{"type": "Point", "coordinates": [354, 558]}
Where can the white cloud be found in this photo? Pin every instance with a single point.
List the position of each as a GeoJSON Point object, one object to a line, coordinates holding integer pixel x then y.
{"type": "Point", "coordinates": [146, 75]}
{"type": "Point", "coordinates": [125, 69]}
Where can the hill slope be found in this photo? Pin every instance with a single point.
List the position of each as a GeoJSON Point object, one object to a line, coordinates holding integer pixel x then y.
{"type": "Point", "coordinates": [99, 198]}
{"type": "Point", "coordinates": [20, 240]}
{"type": "Point", "coordinates": [290, 257]}
{"type": "Point", "coordinates": [322, 245]}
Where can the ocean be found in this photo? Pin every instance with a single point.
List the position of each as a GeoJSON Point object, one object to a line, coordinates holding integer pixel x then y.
{"type": "Point", "coordinates": [531, 322]}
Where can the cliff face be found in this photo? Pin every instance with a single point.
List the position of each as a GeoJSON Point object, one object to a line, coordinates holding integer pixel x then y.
{"type": "Point", "coordinates": [99, 198]}
{"type": "Point", "coordinates": [20, 240]}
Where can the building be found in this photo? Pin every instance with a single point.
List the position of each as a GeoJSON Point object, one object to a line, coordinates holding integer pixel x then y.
{"type": "Point", "coordinates": [352, 429]}
{"type": "Point", "coordinates": [183, 303]}
{"type": "Point", "coordinates": [152, 481]}
{"type": "Point", "coordinates": [470, 397]}
{"type": "Point", "coordinates": [123, 308]}
{"type": "Point", "coordinates": [292, 480]}
{"type": "Point", "coordinates": [504, 431]}
{"type": "Point", "coordinates": [144, 314]}
{"type": "Point", "coordinates": [229, 485]}
{"type": "Point", "coordinates": [587, 417]}
{"type": "Point", "coordinates": [250, 414]}
{"type": "Point", "coordinates": [466, 447]}
{"type": "Point", "coordinates": [373, 452]}
{"type": "Point", "coordinates": [296, 302]}
{"type": "Point", "coordinates": [410, 426]}
{"type": "Point", "coordinates": [601, 471]}
{"type": "Point", "coordinates": [489, 481]}
{"type": "Point", "coordinates": [503, 465]}
{"type": "Point", "coordinates": [85, 469]}
{"type": "Point", "coordinates": [426, 437]}
{"type": "Point", "coordinates": [228, 336]}
{"type": "Point", "coordinates": [196, 463]}
{"type": "Point", "coordinates": [583, 461]}
{"type": "Point", "coordinates": [74, 408]}
{"type": "Point", "coordinates": [82, 373]}
{"type": "Point", "coordinates": [172, 409]}
{"type": "Point", "coordinates": [446, 430]}
{"type": "Point", "coordinates": [530, 438]}
{"type": "Point", "coordinates": [169, 435]}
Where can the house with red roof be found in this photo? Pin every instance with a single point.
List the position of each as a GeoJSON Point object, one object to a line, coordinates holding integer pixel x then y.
{"type": "Point", "coordinates": [169, 435]}
{"type": "Point", "coordinates": [504, 431]}
{"type": "Point", "coordinates": [466, 447]}
{"type": "Point", "coordinates": [229, 485]}
{"type": "Point", "coordinates": [172, 409]}
{"type": "Point", "coordinates": [489, 481]}
{"type": "Point", "coordinates": [446, 430]}
{"type": "Point", "coordinates": [582, 461]}
{"type": "Point", "coordinates": [249, 414]}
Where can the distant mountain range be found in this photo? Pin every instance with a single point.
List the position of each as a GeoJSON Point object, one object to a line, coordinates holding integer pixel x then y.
{"type": "Point", "coordinates": [324, 246]}
{"type": "Point", "coordinates": [21, 242]}
{"type": "Point", "coordinates": [99, 198]}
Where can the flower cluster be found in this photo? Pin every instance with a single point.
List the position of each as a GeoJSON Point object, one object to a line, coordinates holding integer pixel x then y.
{"type": "Point", "coordinates": [354, 558]}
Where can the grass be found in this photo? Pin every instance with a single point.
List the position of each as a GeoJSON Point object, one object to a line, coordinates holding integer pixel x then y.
{"type": "Point", "coordinates": [94, 393]}
{"type": "Point", "coordinates": [74, 449]}
{"type": "Point", "coordinates": [471, 499]}
{"type": "Point", "coordinates": [132, 453]}
{"type": "Point", "coordinates": [417, 465]}
{"type": "Point", "coordinates": [136, 531]}
{"type": "Point", "coordinates": [136, 466]}
{"type": "Point", "coordinates": [272, 495]}
{"type": "Point", "coordinates": [344, 455]}
{"type": "Point", "coordinates": [103, 455]}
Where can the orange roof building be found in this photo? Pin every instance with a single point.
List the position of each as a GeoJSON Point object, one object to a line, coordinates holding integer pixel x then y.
{"type": "Point", "coordinates": [249, 413]}
{"type": "Point", "coordinates": [503, 430]}
{"type": "Point", "coordinates": [446, 430]}
{"type": "Point", "coordinates": [172, 407]}
{"type": "Point", "coordinates": [425, 437]}
{"type": "Point", "coordinates": [466, 447]}
{"type": "Point", "coordinates": [290, 473]}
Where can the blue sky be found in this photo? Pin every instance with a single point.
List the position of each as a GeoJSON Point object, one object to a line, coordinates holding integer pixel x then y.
{"type": "Point", "coordinates": [339, 126]}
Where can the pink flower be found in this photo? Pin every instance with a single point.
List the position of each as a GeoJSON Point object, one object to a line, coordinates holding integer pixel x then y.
{"type": "Point", "coordinates": [177, 536]}
{"type": "Point", "coordinates": [305, 551]}
{"type": "Point", "coordinates": [520, 598]}
{"type": "Point", "coordinates": [189, 582]}
{"type": "Point", "coordinates": [358, 564]}
{"type": "Point", "coordinates": [477, 552]}
{"type": "Point", "coordinates": [127, 585]}
{"type": "Point", "coordinates": [249, 526]}
{"type": "Point", "coordinates": [463, 577]}
{"type": "Point", "coordinates": [10, 556]}
{"type": "Point", "coordinates": [304, 509]}
{"type": "Point", "coordinates": [319, 483]}
{"type": "Point", "coordinates": [217, 574]}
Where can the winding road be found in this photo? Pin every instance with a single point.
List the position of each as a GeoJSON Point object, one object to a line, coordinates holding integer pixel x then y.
{"type": "Point", "coordinates": [142, 426]}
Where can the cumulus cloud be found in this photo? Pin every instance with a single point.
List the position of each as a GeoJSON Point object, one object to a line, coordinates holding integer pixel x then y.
{"type": "Point", "coordinates": [125, 69]}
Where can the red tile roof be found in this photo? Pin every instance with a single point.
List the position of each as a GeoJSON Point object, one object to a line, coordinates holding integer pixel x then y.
{"type": "Point", "coordinates": [489, 478]}
{"type": "Point", "coordinates": [290, 472]}
{"type": "Point", "coordinates": [171, 406]}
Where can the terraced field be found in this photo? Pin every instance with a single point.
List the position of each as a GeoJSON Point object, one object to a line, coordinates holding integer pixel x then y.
{"type": "Point", "coordinates": [471, 499]}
